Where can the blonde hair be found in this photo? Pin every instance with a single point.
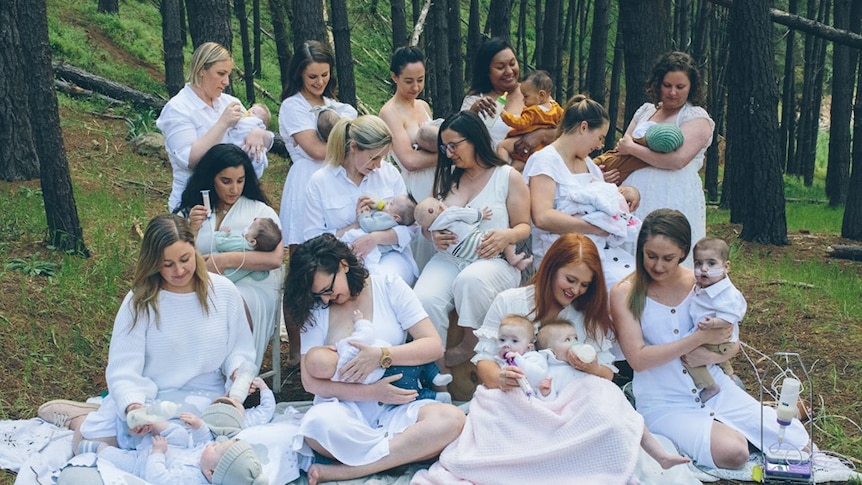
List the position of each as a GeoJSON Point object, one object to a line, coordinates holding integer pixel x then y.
{"type": "Point", "coordinates": [368, 132]}
{"type": "Point", "coordinates": [514, 320]}
{"type": "Point", "coordinates": [542, 337]}
{"type": "Point", "coordinates": [161, 232]}
{"type": "Point", "coordinates": [203, 58]}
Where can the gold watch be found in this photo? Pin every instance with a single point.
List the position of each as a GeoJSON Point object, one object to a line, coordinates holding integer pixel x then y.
{"type": "Point", "coordinates": [385, 358]}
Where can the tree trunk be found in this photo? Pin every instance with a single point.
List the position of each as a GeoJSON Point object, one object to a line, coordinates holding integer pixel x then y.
{"type": "Point", "coordinates": [843, 70]}
{"type": "Point", "coordinates": [17, 152]}
{"type": "Point", "coordinates": [572, 69]}
{"type": "Point", "coordinates": [209, 21]}
{"type": "Point", "coordinates": [851, 227]}
{"type": "Point", "coordinates": [812, 86]}
{"type": "Point", "coordinates": [173, 41]}
{"type": "Point", "coordinates": [456, 59]}
{"type": "Point", "coordinates": [64, 228]}
{"type": "Point", "coordinates": [752, 126]}
{"type": "Point", "coordinates": [282, 39]}
{"type": "Point", "coordinates": [521, 40]}
{"type": "Point", "coordinates": [646, 29]}
{"type": "Point", "coordinates": [499, 21]}
{"type": "Point", "coordinates": [582, 15]}
{"type": "Point", "coordinates": [399, 24]}
{"type": "Point", "coordinates": [716, 99]}
{"type": "Point", "coordinates": [343, 54]}
{"type": "Point", "coordinates": [255, 8]}
{"type": "Point", "coordinates": [439, 57]}
{"type": "Point", "coordinates": [247, 61]}
{"type": "Point", "coordinates": [307, 23]}
{"type": "Point", "coordinates": [109, 6]}
{"type": "Point", "coordinates": [614, 98]}
{"type": "Point", "coordinates": [788, 98]}
{"type": "Point", "coordinates": [700, 36]}
{"type": "Point", "coordinates": [551, 48]}
{"type": "Point", "coordinates": [682, 27]}
{"type": "Point", "coordinates": [474, 40]}
{"type": "Point", "coordinates": [540, 35]}
{"type": "Point", "coordinates": [107, 87]}
{"type": "Point", "coordinates": [598, 51]}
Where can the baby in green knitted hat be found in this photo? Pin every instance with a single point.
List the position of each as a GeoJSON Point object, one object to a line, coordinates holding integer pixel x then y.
{"type": "Point", "coordinates": [659, 137]}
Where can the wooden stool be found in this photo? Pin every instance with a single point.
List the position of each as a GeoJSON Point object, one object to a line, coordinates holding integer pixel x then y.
{"type": "Point", "coordinates": [464, 375]}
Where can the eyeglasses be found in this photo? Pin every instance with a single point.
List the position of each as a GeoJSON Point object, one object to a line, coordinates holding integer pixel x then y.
{"type": "Point", "coordinates": [451, 146]}
{"type": "Point", "coordinates": [318, 300]}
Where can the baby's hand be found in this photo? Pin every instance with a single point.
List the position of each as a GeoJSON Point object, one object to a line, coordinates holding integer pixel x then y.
{"type": "Point", "coordinates": [194, 422]}
{"type": "Point", "coordinates": [545, 386]}
{"type": "Point", "coordinates": [510, 355]}
{"type": "Point", "coordinates": [487, 213]}
{"type": "Point", "coordinates": [257, 383]}
{"type": "Point", "coordinates": [160, 444]}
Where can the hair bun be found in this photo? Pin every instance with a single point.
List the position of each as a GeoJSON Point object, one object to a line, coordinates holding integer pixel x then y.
{"type": "Point", "coordinates": [664, 137]}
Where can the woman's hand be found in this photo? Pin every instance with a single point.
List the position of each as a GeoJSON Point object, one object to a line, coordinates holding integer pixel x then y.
{"type": "Point", "coordinates": [595, 230]}
{"type": "Point", "coordinates": [625, 145]}
{"type": "Point", "coordinates": [256, 143]}
{"type": "Point", "coordinates": [391, 394]}
{"type": "Point", "coordinates": [509, 376]}
{"type": "Point", "coordinates": [197, 216]}
{"type": "Point", "coordinates": [611, 176]}
{"type": "Point", "coordinates": [443, 239]}
{"type": "Point", "coordinates": [364, 245]}
{"type": "Point", "coordinates": [528, 142]}
{"type": "Point", "coordinates": [485, 106]}
{"type": "Point", "coordinates": [230, 115]}
{"type": "Point", "coordinates": [365, 362]}
{"type": "Point", "coordinates": [494, 242]}
{"type": "Point", "coordinates": [591, 367]}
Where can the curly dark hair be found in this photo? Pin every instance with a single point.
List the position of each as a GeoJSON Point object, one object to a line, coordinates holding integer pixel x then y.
{"type": "Point", "coordinates": [216, 159]}
{"type": "Point", "coordinates": [472, 128]}
{"type": "Point", "coordinates": [323, 253]}
{"type": "Point", "coordinates": [676, 61]}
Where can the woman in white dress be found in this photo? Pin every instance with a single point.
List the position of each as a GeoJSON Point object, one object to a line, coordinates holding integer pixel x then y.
{"type": "Point", "coordinates": [201, 114]}
{"type": "Point", "coordinates": [309, 88]}
{"type": "Point", "coordinates": [469, 173]}
{"type": "Point", "coordinates": [236, 200]}
{"type": "Point", "coordinates": [404, 113]}
{"type": "Point", "coordinates": [355, 177]}
{"type": "Point", "coordinates": [374, 427]}
{"type": "Point", "coordinates": [496, 72]}
{"type": "Point", "coordinates": [675, 90]}
{"type": "Point", "coordinates": [650, 311]}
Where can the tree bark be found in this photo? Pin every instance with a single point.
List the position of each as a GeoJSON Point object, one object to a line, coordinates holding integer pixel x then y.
{"type": "Point", "coordinates": [209, 21]}
{"type": "Point", "coordinates": [247, 61]}
{"type": "Point", "coordinates": [812, 87]}
{"type": "Point", "coordinates": [851, 226]}
{"type": "Point", "coordinates": [173, 41]}
{"type": "Point", "coordinates": [499, 21]}
{"type": "Point", "coordinates": [282, 39]}
{"type": "Point", "coordinates": [788, 98]}
{"type": "Point", "coordinates": [255, 8]}
{"type": "Point", "coordinates": [107, 87]}
{"type": "Point", "coordinates": [399, 23]}
{"type": "Point", "coordinates": [614, 97]}
{"type": "Point", "coordinates": [441, 95]}
{"type": "Point", "coordinates": [682, 26]}
{"type": "Point", "coordinates": [343, 53]}
{"type": "Point", "coordinates": [843, 73]}
{"type": "Point", "coordinates": [18, 160]}
{"type": "Point", "coordinates": [716, 100]}
{"type": "Point", "coordinates": [456, 60]}
{"type": "Point", "coordinates": [307, 23]}
{"type": "Point", "coordinates": [474, 40]}
{"type": "Point", "coordinates": [64, 227]}
{"type": "Point", "coordinates": [109, 6]}
{"type": "Point", "coordinates": [598, 51]}
{"type": "Point", "coordinates": [646, 29]}
{"type": "Point", "coordinates": [752, 127]}
{"type": "Point", "coordinates": [550, 59]}
{"type": "Point", "coordinates": [845, 251]}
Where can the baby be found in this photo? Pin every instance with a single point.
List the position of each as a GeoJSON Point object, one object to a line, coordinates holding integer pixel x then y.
{"type": "Point", "coordinates": [659, 137]}
{"type": "Point", "coordinates": [257, 116]}
{"type": "Point", "coordinates": [716, 303]}
{"type": "Point", "coordinates": [322, 363]}
{"type": "Point", "coordinates": [605, 206]}
{"type": "Point", "coordinates": [555, 339]}
{"type": "Point", "coordinates": [539, 112]}
{"type": "Point", "coordinates": [329, 115]}
{"type": "Point", "coordinates": [433, 215]}
{"type": "Point", "coordinates": [385, 215]}
{"type": "Point", "coordinates": [426, 136]}
{"type": "Point", "coordinates": [262, 235]}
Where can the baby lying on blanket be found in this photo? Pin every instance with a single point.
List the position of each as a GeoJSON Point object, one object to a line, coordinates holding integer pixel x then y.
{"type": "Point", "coordinates": [322, 363]}
{"type": "Point", "coordinates": [549, 371]}
{"type": "Point", "coordinates": [433, 215]}
{"type": "Point", "coordinates": [607, 207]}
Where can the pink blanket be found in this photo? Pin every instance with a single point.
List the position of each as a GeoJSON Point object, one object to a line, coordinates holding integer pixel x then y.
{"type": "Point", "coordinates": [589, 434]}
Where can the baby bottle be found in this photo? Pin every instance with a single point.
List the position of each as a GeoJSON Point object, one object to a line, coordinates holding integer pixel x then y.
{"type": "Point", "coordinates": [242, 381]}
{"type": "Point", "coordinates": [153, 413]}
{"type": "Point", "coordinates": [584, 352]}
{"type": "Point", "coordinates": [377, 204]}
{"type": "Point", "coordinates": [501, 103]}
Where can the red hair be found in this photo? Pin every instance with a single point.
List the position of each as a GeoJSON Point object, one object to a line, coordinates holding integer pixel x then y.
{"type": "Point", "coordinates": [570, 249]}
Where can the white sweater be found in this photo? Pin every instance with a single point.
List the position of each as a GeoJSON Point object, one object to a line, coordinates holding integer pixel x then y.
{"type": "Point", "coordinates": [188, 350]}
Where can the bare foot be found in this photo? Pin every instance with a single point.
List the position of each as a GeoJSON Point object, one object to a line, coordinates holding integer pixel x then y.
{"type": "Point", "coordinates": [524, 262]}
{"type": "Point", "coordinates": [669, 460]}
{"type": "Point", "coordinates": [458, 354]}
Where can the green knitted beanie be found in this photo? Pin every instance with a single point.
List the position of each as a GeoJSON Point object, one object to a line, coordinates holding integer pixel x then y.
{"type": "Point", "coordinates": [663, 137]}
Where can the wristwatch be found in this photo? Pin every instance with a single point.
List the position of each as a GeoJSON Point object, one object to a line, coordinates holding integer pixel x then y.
{"type": "Point", "coordinates": [385, 358]}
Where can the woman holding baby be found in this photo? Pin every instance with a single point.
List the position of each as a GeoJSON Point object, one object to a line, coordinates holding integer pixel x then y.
{"type": "Point", "coordinates": [373, 427]}
{"type": "Point", "coordinates": [469, 173]}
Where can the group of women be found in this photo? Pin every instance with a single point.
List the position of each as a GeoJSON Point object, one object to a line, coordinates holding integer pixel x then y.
{"type": "Point", "coordinates": [363, 429]}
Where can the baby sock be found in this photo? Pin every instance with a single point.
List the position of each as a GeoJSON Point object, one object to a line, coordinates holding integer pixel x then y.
{"type": "Point", "coordinates": [89, 446]}
{"type": "Point", "coordinates": [441, 379]}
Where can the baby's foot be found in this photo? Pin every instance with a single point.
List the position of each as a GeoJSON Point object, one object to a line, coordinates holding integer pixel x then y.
{"type": "Point", "coordinates": [709, 392]}
{"type": "Point", "coordinates": [441, 379]}
{"type": "Point", "coordinates": [357, 315]}
{"type": "Point", "coordinates": [90, 446]}
{"type": "Point", "coordinates": [669, 460]}
{"type": "Point", "coordinates": [521, 262]}
{"type": "Point", "coordinates": [443, 397]}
